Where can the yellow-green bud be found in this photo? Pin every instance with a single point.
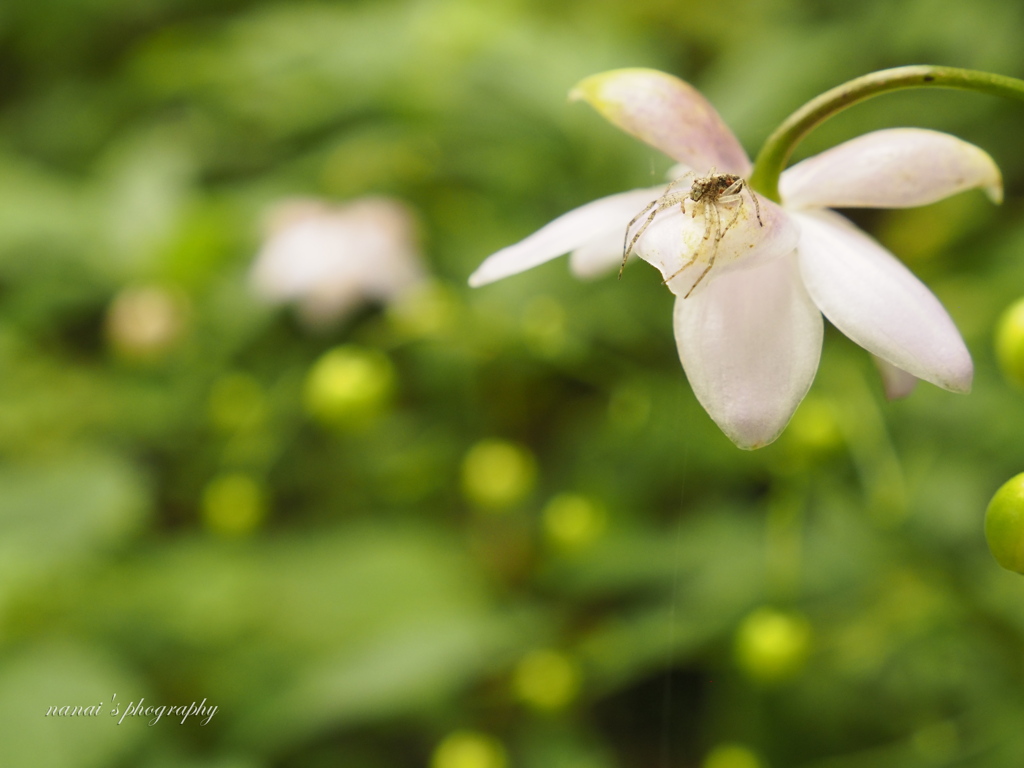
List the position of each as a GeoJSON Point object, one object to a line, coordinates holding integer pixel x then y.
{"type": "Point", "coordinates": [1004, 524]}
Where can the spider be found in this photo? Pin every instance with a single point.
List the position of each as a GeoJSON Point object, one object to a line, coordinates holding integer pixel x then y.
{"type": "Point", "coordinates": [706, 193]}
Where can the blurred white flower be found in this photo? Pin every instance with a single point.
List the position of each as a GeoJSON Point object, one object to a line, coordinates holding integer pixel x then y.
{"type": "Point", "coordinates": [749, 333]}
{"type": "Point", "coordinates": [330, 259]}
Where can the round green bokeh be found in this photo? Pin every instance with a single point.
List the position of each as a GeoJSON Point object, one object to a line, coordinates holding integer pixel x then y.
{"type": "Point", "coordinates": [349, 386]}
{"type": "Point", "coordinates": [1004, 524]}
{"type": "Point", "coordinates": [1010, 343]}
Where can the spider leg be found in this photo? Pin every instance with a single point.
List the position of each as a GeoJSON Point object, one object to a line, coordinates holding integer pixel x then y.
{"type": "Point", "coordinates": [634, 220]}
{"type": "Point", "coordinates": [714, 249]}
{"type": "Point", "coordinates": [704, 204]}
{"type": "Point", "coordinates": [711, 263]}
{"type": "Point", "coordinates": [735, 216]}
{"type": "Point", "coordinates": [757, 208]}
{"type": "Point", "coordinates": [705, 207]}
{"type": "Point", "coordinates": [667, 200]}
{"type": "Point", "coordinates": [676, 181]}
{"type": "Point", "coordinates": [733, 188]}
{"type": "Point", "coordinates": [736, 190]}
{"type": "Point", "coordinates": [628, 249]}
{"type": "Point", "coordinates": [679, 271]}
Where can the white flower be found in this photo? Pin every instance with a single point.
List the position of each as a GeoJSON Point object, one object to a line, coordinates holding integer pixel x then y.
{"type": "Point", "coordinates": [749, 335]}
{"type": "Point", "coordinates": [330, 259]}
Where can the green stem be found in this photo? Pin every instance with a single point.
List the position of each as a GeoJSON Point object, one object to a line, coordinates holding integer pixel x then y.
{"type": "Point", "coordinates": [779, 146]}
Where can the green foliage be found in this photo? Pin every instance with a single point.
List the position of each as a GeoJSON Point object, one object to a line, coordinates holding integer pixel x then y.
{"type": "Point", "coordinates": [473, 528]}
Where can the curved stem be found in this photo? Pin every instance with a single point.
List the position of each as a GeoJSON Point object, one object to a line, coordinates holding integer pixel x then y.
{"type": "Point", "coordinates": [777, 148]}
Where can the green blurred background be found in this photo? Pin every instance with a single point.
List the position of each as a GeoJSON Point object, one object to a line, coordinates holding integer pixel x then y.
{"type": "Point", "coordinates": [512, 537]}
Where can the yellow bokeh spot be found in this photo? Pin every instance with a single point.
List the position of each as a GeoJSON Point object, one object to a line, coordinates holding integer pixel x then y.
{"type": "Point", "coordinates": [732, 756]}
{"type": "Point", "coordinates": [237, 402]}
{"type": "Point", "coordinates": [772, 645]}
{"type": "Point", "coordinates": [469, 749]}
{"type": "Point", "coordinates": [1004, 524]}
{"type": "Point", "coordinates": [814, 427]}
{"type": "Point", "coordinates": [546, 680]}
{"type": "Point", "coordinates": [430, 310]}
{"type": "Point", "coordinates": [348, 386]}
{"type": "Point", "coordinates": [1010, 343]}
{"type": "Point", "coordinates": [497, 474]}
{"type": "Point", "coordinates": [572, 521]}
{"type": "Point", "coordinates": [234, 504]}
{"type": "Point", "coordinates": [544, 326]}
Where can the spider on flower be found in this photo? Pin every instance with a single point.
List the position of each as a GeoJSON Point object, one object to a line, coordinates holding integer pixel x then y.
{"type": "Point", "coordinates": [706, 193]}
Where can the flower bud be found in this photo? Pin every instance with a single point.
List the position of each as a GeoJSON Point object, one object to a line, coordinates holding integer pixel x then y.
{"type": "Point", "coordinates": [1004, 524]}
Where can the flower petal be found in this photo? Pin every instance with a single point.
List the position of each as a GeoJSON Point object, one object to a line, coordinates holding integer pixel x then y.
{"type": "Point", "coordinates": [749, 236]}
{"type": "Point", "coordinates": [567, 232]}
{"type": "Point", "coordinates": [598, 256]}
{"type": "Point", "coordinates": [750, 343]}
{"type": "Point", "coordinates": [668, 114]}
{"type": "Point", "coordinates": [897, 382]}
{"type": "Point", "coordinates": [896, 168]}
{"type": "Point", "coordinates": [869, 295]}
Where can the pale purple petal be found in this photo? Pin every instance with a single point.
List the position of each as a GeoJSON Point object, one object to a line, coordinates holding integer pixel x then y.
{"type": "Point", "coordinates": [750, 344]}
{"type": "Point", "coordinates": [869, 295]}
{"type": "Point", "coordinates": [668, 114]}
{"type": "Point", "coordinates": [674, 239]}
{"type": "Point", "coordinates": [897, 382]}
{"type": "Point", "coordinates": [598, 256]}
{"type": "Point", "coordinates": [564, 234]}
{"type": "Point", "coordinates": [895, 168]}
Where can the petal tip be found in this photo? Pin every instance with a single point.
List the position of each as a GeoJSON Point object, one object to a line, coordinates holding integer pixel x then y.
{"type": "Point", "coordinates": [992, 181]}
{"type": "Point", "coordinates": [751, 437]}
{"type": "Point", "coordinates": [962, 386]}
{"type": "Point", "coordinates": [961, 377]}
{"type": "Point", "coordinates": [605, 90]}
{"type": "Point", "coordinates": [994, 191]}
{"type": "Point", "coordinates": [891, 168]}
{"type": "Point", "coordinates": [957, 381]}
{"type": "Point", "coordinates": [592, 86]}
{"type": "Point", "coordinates": [488, 272]}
